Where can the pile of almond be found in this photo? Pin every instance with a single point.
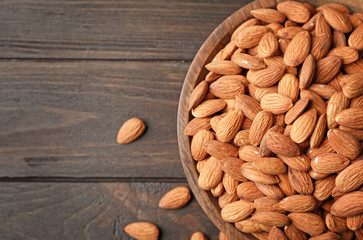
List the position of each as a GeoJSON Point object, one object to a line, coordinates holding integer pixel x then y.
{"type": "Point", "coordinates": [278, 124]}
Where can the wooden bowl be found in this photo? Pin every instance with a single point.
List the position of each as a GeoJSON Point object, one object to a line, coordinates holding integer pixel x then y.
{"type": "Point", "coordinates": [215, 42]}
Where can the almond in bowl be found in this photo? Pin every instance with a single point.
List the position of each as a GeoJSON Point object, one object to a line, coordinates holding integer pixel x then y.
{"type": "Point", "coordinates": [275, 125]}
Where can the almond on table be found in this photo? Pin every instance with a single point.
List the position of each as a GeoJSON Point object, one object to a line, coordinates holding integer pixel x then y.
{"type": "Point", "coordinates": [284, 100]}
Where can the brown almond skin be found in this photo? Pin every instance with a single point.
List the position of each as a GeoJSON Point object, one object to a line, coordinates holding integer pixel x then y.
{"type": "Point", "coordinates": [271, 219]}
{"type": "Point", "coordinates": [237, 211]}
{"type": "Point", "coordinates": [285, 185]}
{"type": "Point", "coordinates": [208, 108]}
{"type": "Point", "coordinates": [248, 226]}
{"type": "Point", "coordinates": [322, 148]}
{"type": "Point", "coordinates": [229, 126]}
{"type": "Point", "coordinates": [281, 144]}
{"type": "Point", "coordinates": [266, 204]}
{"type": "Point", "coordinates": [270, 165]}
{"type": "Point", "coordinates": [249, 153]}
{"type": "Point", "coordinates": [329, 163]}
{"type": "Point", "coordinates": [352, 118]}
{"type": "Point", "coordinates": [356, 67]}
{"type": "Point", "coordinates": [355, 222]}
{"type": "Point", "coordinates": [348, 54]}
{"type": "Point", "coordinates": [339, 39]}
{"type": "Point", "coordinates": [223, 236]}
{"type": "Point", "coordinates": [248, 23]}
{"type": "Point", "coordinates": [350, 178]}
{"type": "Point", "coordinates": [130, 130]}
{"type": "Point", "coordinates": [300, 181]}
{"type": "Point", "coordinates": [198, 94]}
{"type": "Point", "coordinates": [142, 231]}
{"type": "Point", "coordinates": [323, 188]}
{"type": "Point", "coordinates": [294, 233]}
{"type": "Point", "coordinates": [352, 85]}
{"type": "Point", "coordinates": [298, 49]}
{"type": "Point", "coordinates": [319, 132]}
{"type": "Point", "coordinates": [350, 204]}
{"type": "Point", "coordinates": [320, 46]}
{"type": "Point", "coordinates": [307, 72]}
{"type": "Point", "coordinates": [276, 234]}
{"type": "Point", "coordinates": [344, 143]}
{"type": "Point", "coordinates": [326, 236]}
{"type": "Point", "coordinates": [337, 103]}
{"type": "Point", "coordinates": [197, 124]}
{"type": "Point", "coordinates": [230, 184]}
{"type": "Point", "coordinates": [268, 45]}
{"type": "Point", "coordinates": [310, 223]}
{"type": "Point", "coordinates": [322, 27]}
{"type": "Point", "coordinates": [247, 61]}
{"type": "Point", "coordinates": [268, 15]}
{"type": "Point", "coordinates": [271, 190]}
{"type": "Point", "coordinates": [251, 173]}
{"type": "Point", "coordinates": [198, 236]}
{"type": "Point", "coordinates": [268, 76]}
{"type": "Point", "coordinates": [226, 199]}
{"type": "Point", "coordinates": [260, 124]}
{"type": "Point", "coordinates": [303, 126]}
{"type": "Point", "coordinates": [336, 224]}
{"type": "Point", "coordinates": [337, 20]}
{"type": "Point", "coordinates": [198, 140]}
{"type": "Point", "coordinates": [223, 67]}
{"type": "Point", "coordinates": [248, 105]}
{"type": "Point", "coordinates": [298, 203]}
{"type": "Point", "coordinates": [315, 101]}
{"type": "Point", "coordinates": [323, 90]}
{"type": "Point", "coordinates": [327, 68]}
{"type": "Point", "coordinates": [357, 133]}
{"type": "Point", "coordinates": [242, 138]}
{"type": "Point", "coordinates": [264, 151]}
{"type": "Point", "coordinates": [227, 88]}
{"type": "Point", "coordinates": [288, 33]}
{"type": "Point", "coordinates": [232, 165]}
{"type": "Point", "coordinates": [175, 198]}
{"type": "Point", "coordinates": [296, 110]}
{"type": "Point", "coordinates": [294, 11]}
{"type": "Point", "coordinates": [220, 150]}
{"type": "Point", "coordinates": [276, 103]}
{"type": "Point", "coordinates": [355, 38]}
{"type": "Point", "coordinates": [250, 36]}
{"type": "Point", "coordinates": [210, 175]}
{"type": "Point", "coordinates": [249, 191]}
{"type": "Point", "coordinates": [218, 190]}
{"type": "Point", "coordinates": [289, 86]}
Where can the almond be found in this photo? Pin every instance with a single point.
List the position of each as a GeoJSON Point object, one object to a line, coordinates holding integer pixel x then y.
{"type": "Point", "coordinates": [347, 54]}
{"type": "Point", "coordinates": [223, 236]}
{"type": "Point", "coordinates": [214, 121]}
{"type": "Point", "coordinates": [198, 236]}
{"type": "Point", "coordinates": [323, 148]}
{"type": "Point", "coordinates": [294, 233]}
{"type": "Point", "coordinates": [268, 45]}
{"type": "Point", "coordinates": [357, 102]}
{"type": "Point", "coordinates": [247, 61]}
{"type": "Point", "coordinates": [218, 190]}
{"type": "Point", "coordinates": [248, 226]}
{"type": "Point", "coordinates": [355, 67]}
{"type": "Point", "coordinates": [268, 15]}
{"type": "Point", "coordinates": [327, 68]}
{"type": "Point", "coordinates": [303, 127]}
{"type": "Point", "coordinates": [336, 6]}
{"type": "Point", "coordinates": [269, 76]}
{"type": "Point", "coordinates": [298, 203]}
{"type": "Point", "coordinates": [322, 27]}
{"type": "Point", "coordinates": [301, 162]}
{"type": "Point", "coordinates": [227, 88]}
{"type": "Point", "coordinates": [198, 94]}
{"type": "Point", "coordinates": [288, 33]}
{"type": "Point", "coordinates": [237, 211]}
{"type": "Point", "coordinates": [248, 23]}
{"type": "Point", "coordinates": [175, 198]}
{"type": "Point", "coordinates": [326, 236]}
{"type": "Point", "coordinates": [355, 222]}
{"type": "Point", "coordinates": [357, 133]}
{"type": "Point", "coordinates": [270, 165]}
{"type": "Point", "coordinates": [319, 132]}
{"type": "Point", "coordinates": [339, 39]}
{"type": "Point", "coordinates": [289, 86]}
{"type": "Point", "coordinates": [337, 103]}
{"type": "Point", "coordinates": [223, 67]}
{"type": "Point", "coordinates": [329, 163]}
{"type": "Point", "coordinates": [320, 45]}
{"type": "Point", "coordinates": [131, 130]}
{"type": "Point", "coordinates": [262, 122]}
{"type": "Point", "coordinates": [352, 117]}
{"type": "Point", "coordinates": [211, 77]}
{"type": "Point", "coordinates": [271, 219]}
{"type": "Point", "coordinates": [310, 25]}
{"type": "Point", "coordinates": [249, 153]}
{"type": "Point", "coordinates": [279, 60]}
{"type": "Point", "coordinates": [285, 185]}
{"type": "Point", "coordinates": [294, 11]}
{"type": "Point", "coordinates": [355, 38]}
{"type": "Point", "coordinates": [251, 173]}
{"type": "Point", "coordinates": [230, 184]}
{"type": "Point", "coordinates": [335, 224]}
{"type": "Point", "coordinates": [142, 231]}
{"type": "Point", "coordinates": [276, 234]}
{"type": "Point", "coordinates": [281, 144]}
{"type": "Point", "coordinates": [308, 222]}
{"type": "Point", "coordinates": [307, 72]}
{"type": "Point", "coordinates": [350, 204]}
{"type": "Point", "coordinates": [261, 235]}
{"type": "Point", "coordinates": [211, 174]}
{"type": "Point", "coordinates": [324, 187]}
{"type": "Point", "coordinates": [298, 49]}
{"type": "Point", "coordinates": [354, 20]}
{"type": "Point", "coordinates": [208, 108]}
{"type": "Point", "coordinates": [350, 178]}
{"type": "Point", "coordinates": [242, 138]}
{"type": "Point", "coordinates": [266, 204]}
{"type": "Point", "coordinates": [220, 150]}
{"type": "Point", "coordinates": [275, 27]}
{"type": "Point", "coordinates": [315, 101]}
{"type": "Point", "coordinates": [264, 151]}
{"type": "Point", "coordinates": [251, 36]}
{"type": "Point", "coordinates": [232, 166]}
{"type": "Point", "coordinates": [249, 191]}
{"type": "Point", "coordinates": [197, 124]}
{"type": "Point", "coordinates": [271, 191]}
{"type": "Point", "coordinates": [196, 146]}
{"type": "Point", "coordinates": [296, 110]}
{"type": "Point", "coordinates": [201, 163]}
{"type": "Point", "coordinates": [300, 181]}
{"type": "Point", "coordinates": [229, 126]}
{"type": "Point", "coordinates": [344, 143]}
{"type": "Point", "coordinates": [258, 93]}
{"type": "Point", "coordinates": [352, 85]}
{"type": "Point", "coordinates": [226, 199]}
{"type": "Point", "coordinates": [276, 103]}
{"type": "Point", "coordinates": [248, 105]}
{"type": "Point", "coordinates": [337, 20]}
{"type": "Point", "coordinates": [323, 90]}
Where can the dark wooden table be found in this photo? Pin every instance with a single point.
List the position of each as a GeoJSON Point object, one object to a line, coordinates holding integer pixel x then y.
{"type": "Point", "coordinates": [71, 72]}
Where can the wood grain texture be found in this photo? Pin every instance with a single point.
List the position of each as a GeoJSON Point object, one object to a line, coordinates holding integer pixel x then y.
{"type": "Point", "coordinates": [60, 119]}
{"type": "Point", "coordinates": [93, 211]}
{"type": "Point", "coordinates": [103, 29]}
{"type": "Point", "coordinates": [216, 41]}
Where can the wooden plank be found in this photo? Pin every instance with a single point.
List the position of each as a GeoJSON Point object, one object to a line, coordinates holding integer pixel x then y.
{"type": "Point", "coordinates": [107, 29]}
{"type": "Point", "coordinates": [60, 119]}
{"type": "Point", "coordinates": [93, 211]}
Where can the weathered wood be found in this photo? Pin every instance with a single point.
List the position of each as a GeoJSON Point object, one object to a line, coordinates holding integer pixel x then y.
{"type": "Point", "coordinates": [60, 119]}
{"type": "Point", "coordinates": [93, 211]}
{"type": "Point", "coordinates": [102, 29]}
{"type": "Point", "coordinates": [216, 41]}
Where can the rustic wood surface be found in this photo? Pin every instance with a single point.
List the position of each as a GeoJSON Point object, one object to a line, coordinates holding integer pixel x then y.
{"type": "Point", "coordinates": [70, 73]}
